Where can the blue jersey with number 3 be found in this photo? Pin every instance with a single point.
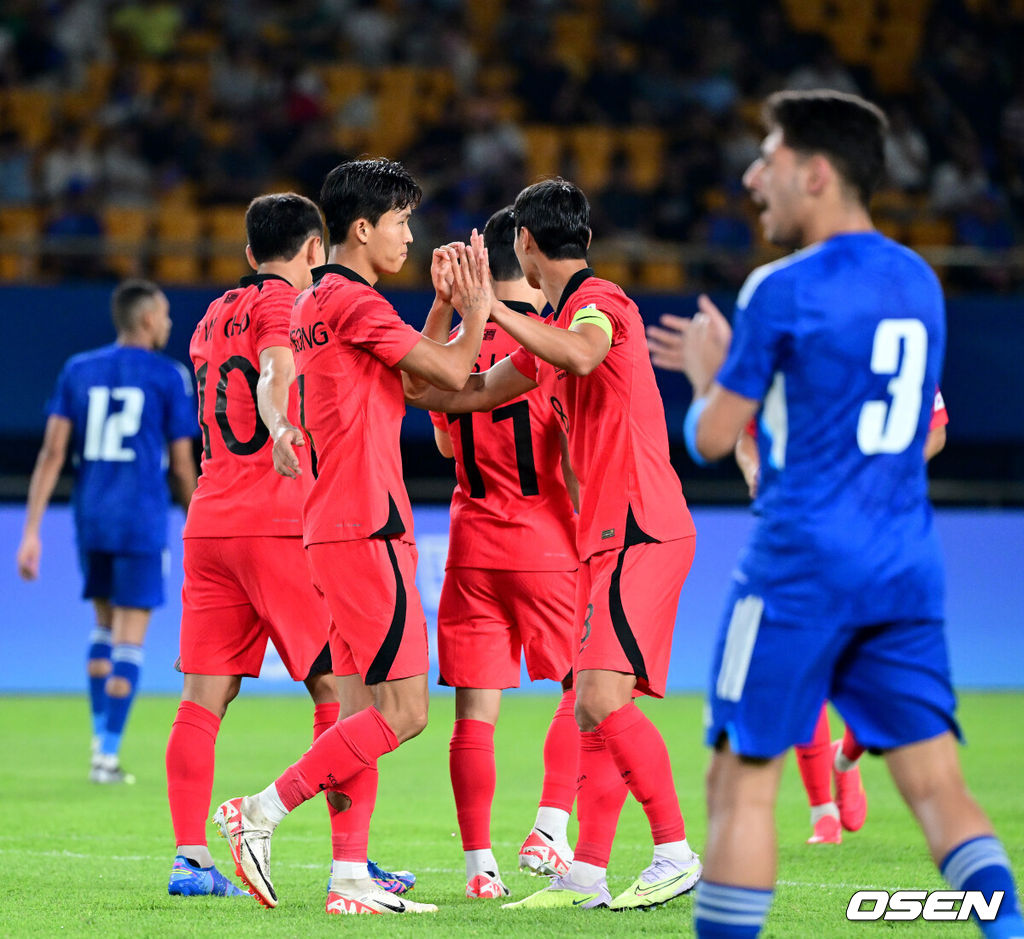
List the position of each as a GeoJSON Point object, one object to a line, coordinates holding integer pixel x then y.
{"type": "Point", "coordinates": [125, 404]}
{"type": "Point", "coordinates": [843, 343]}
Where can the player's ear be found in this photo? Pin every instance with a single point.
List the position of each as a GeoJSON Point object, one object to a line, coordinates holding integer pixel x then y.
{"type": "Point", "coordinates": [590, 237]}
{"type": "Point", "coordinates": [361, 228]}
{"type": "Point", "coordinates": [819, 174]}
{"type": "Point", "coordinates": [251, 258]}
{"type": "Point", "coordinates": [312, 252]}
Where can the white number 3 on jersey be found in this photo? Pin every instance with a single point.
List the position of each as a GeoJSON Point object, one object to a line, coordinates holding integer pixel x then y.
{"type": "Point", "coordinates": [889, 427]}
{"type": "Point", "coordinates": [105, 433]}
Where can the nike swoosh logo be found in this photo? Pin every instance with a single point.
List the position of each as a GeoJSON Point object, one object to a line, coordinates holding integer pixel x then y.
{"type": "Point", "coordinates": [585, 899]}
{"type": "Point", "coordinates": [394, 909]}
{"type": "Point", "coordinates": [640, 892]}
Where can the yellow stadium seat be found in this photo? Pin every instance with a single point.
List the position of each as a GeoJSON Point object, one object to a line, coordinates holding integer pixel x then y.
{"type": "Point", "coordinates": [544, 145]}
{"type": "Point", "coordinates": [645, 151]}
{"type": "Point", "coordinates": [225, 225]}
{"type": "Point", "coordinates": [591, 147]}
{"type": "Point", "coordinates": [179, 230]}
{"type": "Point", "coordinates": [127, 229]}
{"type": "Point", "coordinates": [615, 270]}
{"type": "Point", "coordinates": [20, 225]}
{"type": "Point", "coordinates": [663, 274]}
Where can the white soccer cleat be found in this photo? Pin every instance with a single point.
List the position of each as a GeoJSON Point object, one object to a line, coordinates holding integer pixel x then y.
{"type": "Point", "coordinates": [248, 832]}
{"type": "Point", "coordinates": [541, 855]}
{"type": "Point", "coordinates": [484, 886]}
{"type": "Point", "coordinates": [106, 770]}
{"type": "Point", "coordinates": [364, 896]}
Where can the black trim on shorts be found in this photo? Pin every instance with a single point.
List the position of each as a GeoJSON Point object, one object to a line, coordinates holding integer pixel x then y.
{"type": "Point", "coordinates": [623, 632]}
{"type": "Point", "coordinates": [385, 657]}
{"type": "Point", "coordinates": [322, 664]}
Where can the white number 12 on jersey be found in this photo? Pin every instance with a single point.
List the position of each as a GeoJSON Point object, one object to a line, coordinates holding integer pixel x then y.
{"type": "Point", "coordinates": [889, 427]}
{"type": "Point", "coordinates": [105, 432]}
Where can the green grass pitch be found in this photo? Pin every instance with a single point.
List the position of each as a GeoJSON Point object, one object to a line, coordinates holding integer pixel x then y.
{"type": "Point", "coordinates": [82, 859]}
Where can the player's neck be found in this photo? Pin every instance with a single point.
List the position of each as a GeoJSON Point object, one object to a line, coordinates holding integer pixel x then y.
{"type": "Point", "coordinates": [554, 275]}
{"type": "Point", "coordinates": [354, 259]}
{"type": "Point", "coordinates": [135, 340]}
{"type": "Point", "coordinates": [520, 291]}
{"type": "Point", "coordinates": [845, 219]}
{"type": "Point", "coordinates": [288, 271]}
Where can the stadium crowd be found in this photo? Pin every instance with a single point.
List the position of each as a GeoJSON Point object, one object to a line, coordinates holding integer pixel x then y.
{"type": "Point", "coordinates": [110, 112]}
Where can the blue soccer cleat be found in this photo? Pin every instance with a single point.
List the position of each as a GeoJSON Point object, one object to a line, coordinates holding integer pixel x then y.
{"type": "Point", "coordinates": [189, 881]}
{"type": "Point", "coordinates": [396, 882]}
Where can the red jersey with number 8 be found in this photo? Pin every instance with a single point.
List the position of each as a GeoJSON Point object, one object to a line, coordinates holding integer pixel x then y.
{"type": "Point", "coordinates": [239, 492]}
{"type": "Point", "coordinates": [615, 419]}
{"type": "Point", "coordinates": [347, 341]}
{"type": "Point", "coordinates": [511, 509]}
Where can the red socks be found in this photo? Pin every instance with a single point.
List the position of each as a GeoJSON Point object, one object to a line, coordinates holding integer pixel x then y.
{"type": "Point", "coordinates": [561, 756]}
{"type": "Point", "coordinates": [325, 716]}
{"type": "Point", "coordinates": [190, 759]}
{"type": "Point", "coordinates": [337, 755]}
{"type": "Point", "coordinates": [471, 763]}
{"type": "Point", "coordinates": [642, 758]}
{"type": "Point", "coordinates": [599, 798]}
{"type": "Point", "coordinates": [852, 750]}
{"type": "Point", "coordinates": [815, 762]}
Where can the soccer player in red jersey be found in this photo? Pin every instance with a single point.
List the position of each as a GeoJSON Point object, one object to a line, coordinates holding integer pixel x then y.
{"type": "Point", "coordinates": [635, 537]}
{"type": "Point", "coordinates": [509, 586]}
{"type": "Point", "coordinates": [350, 349]}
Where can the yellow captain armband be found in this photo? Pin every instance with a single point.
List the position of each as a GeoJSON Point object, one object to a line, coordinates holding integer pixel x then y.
{"type": "Point", "coordinates": [591, 314]}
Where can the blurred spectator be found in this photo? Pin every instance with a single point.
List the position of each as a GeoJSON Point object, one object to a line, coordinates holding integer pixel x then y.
{"type": "Point", "coordinates": [80, 32]}
{"type": "Point", "coordinates": [726, 229]}
{"type": "Point", "coordinates": [609, 92]}
{"type": "Point", "coordinates": [619, 208]}
{"type": "Point", "coordinates": [370, 32]}
{"type": "Point", "coordinates": [148, 29]}
{"type": "Point", "coordinates": [492, 147]}
{"type": "Point", "coordinates": [16, 184]}
{"type": "Point", "coordinates": [241, 79]}
{"type": "Point", "coordinates": [545, 85]}
{"type": "Point", "coordinates": [72, 159]}
{"type": "Point", "coordinates": [672, 209]}
{"type": "Point", "coordinates": [126, 177]}
{"type": "Point", "coordinates": [72, 236]}
{"type": "Point", "coordinates": [985, 223]}
{"type": "Point", "coordinates": [826, 71]}
{"type": "Point", "coordinates": [906, 151]}
{"type": "Point", "coordinates": [315, 154]}
{"type": "Point", "coordinates": [958, 181]}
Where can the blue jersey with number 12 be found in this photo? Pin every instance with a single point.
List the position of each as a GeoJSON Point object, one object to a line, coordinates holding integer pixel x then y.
{"type": "Point", "coordinates": [843, 343]}
{"type": "Point", "coordinates": [125, 404]}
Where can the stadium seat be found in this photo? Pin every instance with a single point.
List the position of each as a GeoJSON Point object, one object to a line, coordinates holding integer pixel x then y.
{"type": "Point", "coordinates": [645, 150]}
{"type": "Point", "coordinates": [616, 270]}
{"type": "Point", "coordinates": [544, 146]}
{"type": "Point", "coordinates": [662, 274]}
{"type": "Point", "coordinates": [225, 225]}
{"type": "Point", "coordinates": [20, 259]}
{"type": "Point", "coordinates": [591, 146]}
{"type": "Point", "coordinates": [179, 229]}
{"type": "Point", "coordinates": [127, 231]}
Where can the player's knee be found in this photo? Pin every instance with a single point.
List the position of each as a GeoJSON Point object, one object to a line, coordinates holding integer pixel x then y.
{"type": "Point", "coordinates": [590, 711]}
{"type": "Point", "coordinates": [118, 687]}
{"type": "Point", "coordinates": [98, 668]}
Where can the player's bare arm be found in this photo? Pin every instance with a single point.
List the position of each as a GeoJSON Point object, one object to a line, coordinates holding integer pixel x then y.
{"type": "Point", "coordinates": [277, 372]}
{"type": "Point", "coordinates": [934, 442]}
{"type": "Point", "coordinates": [579, 349]}
{"type": "Point", "coordinates": [51, 458]}
{"type": "Point", "coordinates": [182, 470]}
{"type": "Point", "coordinates": [444, 443]}
{"type": "Point", "coordinates": [448, 366]}
{"type": "Point", "coordinates": [749, 461]}
{"type": "Point", "coordinates": [483, 391]}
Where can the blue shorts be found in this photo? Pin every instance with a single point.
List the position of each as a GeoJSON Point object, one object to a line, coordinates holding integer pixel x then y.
{"type": "Point", "coordinates": [135, 580]}
{"type": "Point", "coordinates": [889, 681]}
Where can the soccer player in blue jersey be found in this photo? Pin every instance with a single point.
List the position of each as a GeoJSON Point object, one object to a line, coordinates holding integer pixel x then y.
{"type": "Point", "coordinates": [127, 414]}
{"type": "Point", "coordinates": [839, 595]}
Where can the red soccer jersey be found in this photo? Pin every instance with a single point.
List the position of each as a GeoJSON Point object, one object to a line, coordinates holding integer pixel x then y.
{"type": "Point", "coordinates": [239, 493]}
{"type": "Point", "coordinates": [615, 420]}
{"type": "Point", "coordinates": [347, 340]}
{"type": "Point", "coordinates": [510, 509]}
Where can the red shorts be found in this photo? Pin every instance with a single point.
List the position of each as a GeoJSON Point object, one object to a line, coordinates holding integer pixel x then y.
{"type": "Point", "coordinates": [240, 592]}
{"type": "Point", "coordinates": [486, 616]}
{"type": "Point", "coordinates": [626, 605]}
{"type": "Point", "coordinates": [378, 627]}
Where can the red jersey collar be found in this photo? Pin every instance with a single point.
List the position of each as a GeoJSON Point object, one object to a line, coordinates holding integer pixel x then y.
{"type": "Point", "coordinates": [575, 282]}
{"type": "Point", "coordinates": [342, 271]}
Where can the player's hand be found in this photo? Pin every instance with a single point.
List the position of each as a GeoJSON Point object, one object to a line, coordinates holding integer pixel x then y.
{"type": "Point", "coordinates": [441, 275]}
{"type": "Point", "coordinates": [29, 552]}
{"type": "Point", "coordinates": [706, 345]}
{"type": "Point", "coordinates": [665, 342]}
{"type": "Point", "coordinates": [471, 294]}
{"type": "Point", "coordinates": [286, 462]}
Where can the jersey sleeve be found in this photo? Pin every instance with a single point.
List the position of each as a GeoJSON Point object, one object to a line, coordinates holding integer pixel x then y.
{"type": "Point", "coordinates": [60, 405]}
{"type": "Point", "coordinates": [940, 418]}
{"type": "Point", "coordinates": [525, 363]}
{"type": "Point", "coordinates": [758, 338]}
{"type": "Point", "coordinates": [438, 420]}
{"type": "Point", "coordinates": [273, 315]}
{"type": "Point", "coordinates": [377, 328]}
{"type": "Point", "coordinates": [181, 420]}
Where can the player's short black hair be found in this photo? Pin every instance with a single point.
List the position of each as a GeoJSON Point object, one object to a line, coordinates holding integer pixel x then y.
{"type": "Point", "coordinates": [500, 240]}
{"type": "Point", "coordinates": [128, 301]}
{"type": "Point", "coordinates": [557, 215]}
{"type": "Point", "coordinates": [845, 128]}
{"type": "Point", "coordinates": [365, 189]}
{"type": "Point", "coordinates": [278, 224]}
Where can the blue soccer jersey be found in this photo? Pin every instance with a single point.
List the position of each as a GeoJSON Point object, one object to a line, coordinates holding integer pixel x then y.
{"type": "Point", "coordinates": [125, 403]}
{"type": "Point", "coordinates": [843, 342]}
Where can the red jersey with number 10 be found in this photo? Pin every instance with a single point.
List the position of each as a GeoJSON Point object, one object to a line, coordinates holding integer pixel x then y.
{"type": "Point", "coordinates": [510, 509]}
{"type": "Point", "coordinates": [347, 340]}
{"type": "Point", "coordinates": [615, 419]}
{"type": "Point", "coordinates": [239, 492]}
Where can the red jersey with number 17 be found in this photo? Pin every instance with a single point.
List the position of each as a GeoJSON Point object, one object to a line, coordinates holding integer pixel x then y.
{"type": "Point", "coordinates": [510, 509]}
{"type": "Point", "coordinates": [239, 493]}
{"type": "Point", "coordinates": [347, 340]}
{"type": "Point", "coordinates": [618, 441]}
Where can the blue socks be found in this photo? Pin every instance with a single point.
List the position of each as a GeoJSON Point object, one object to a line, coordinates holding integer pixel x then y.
{"type": "Point", "coordinates": [981, 864]}
{"type": "Point", "coordinates": [127, 663]}
{"type": "Point", "coordinates": [99, 651]}
{"type": "Point", "coordinates": [723, 912]}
